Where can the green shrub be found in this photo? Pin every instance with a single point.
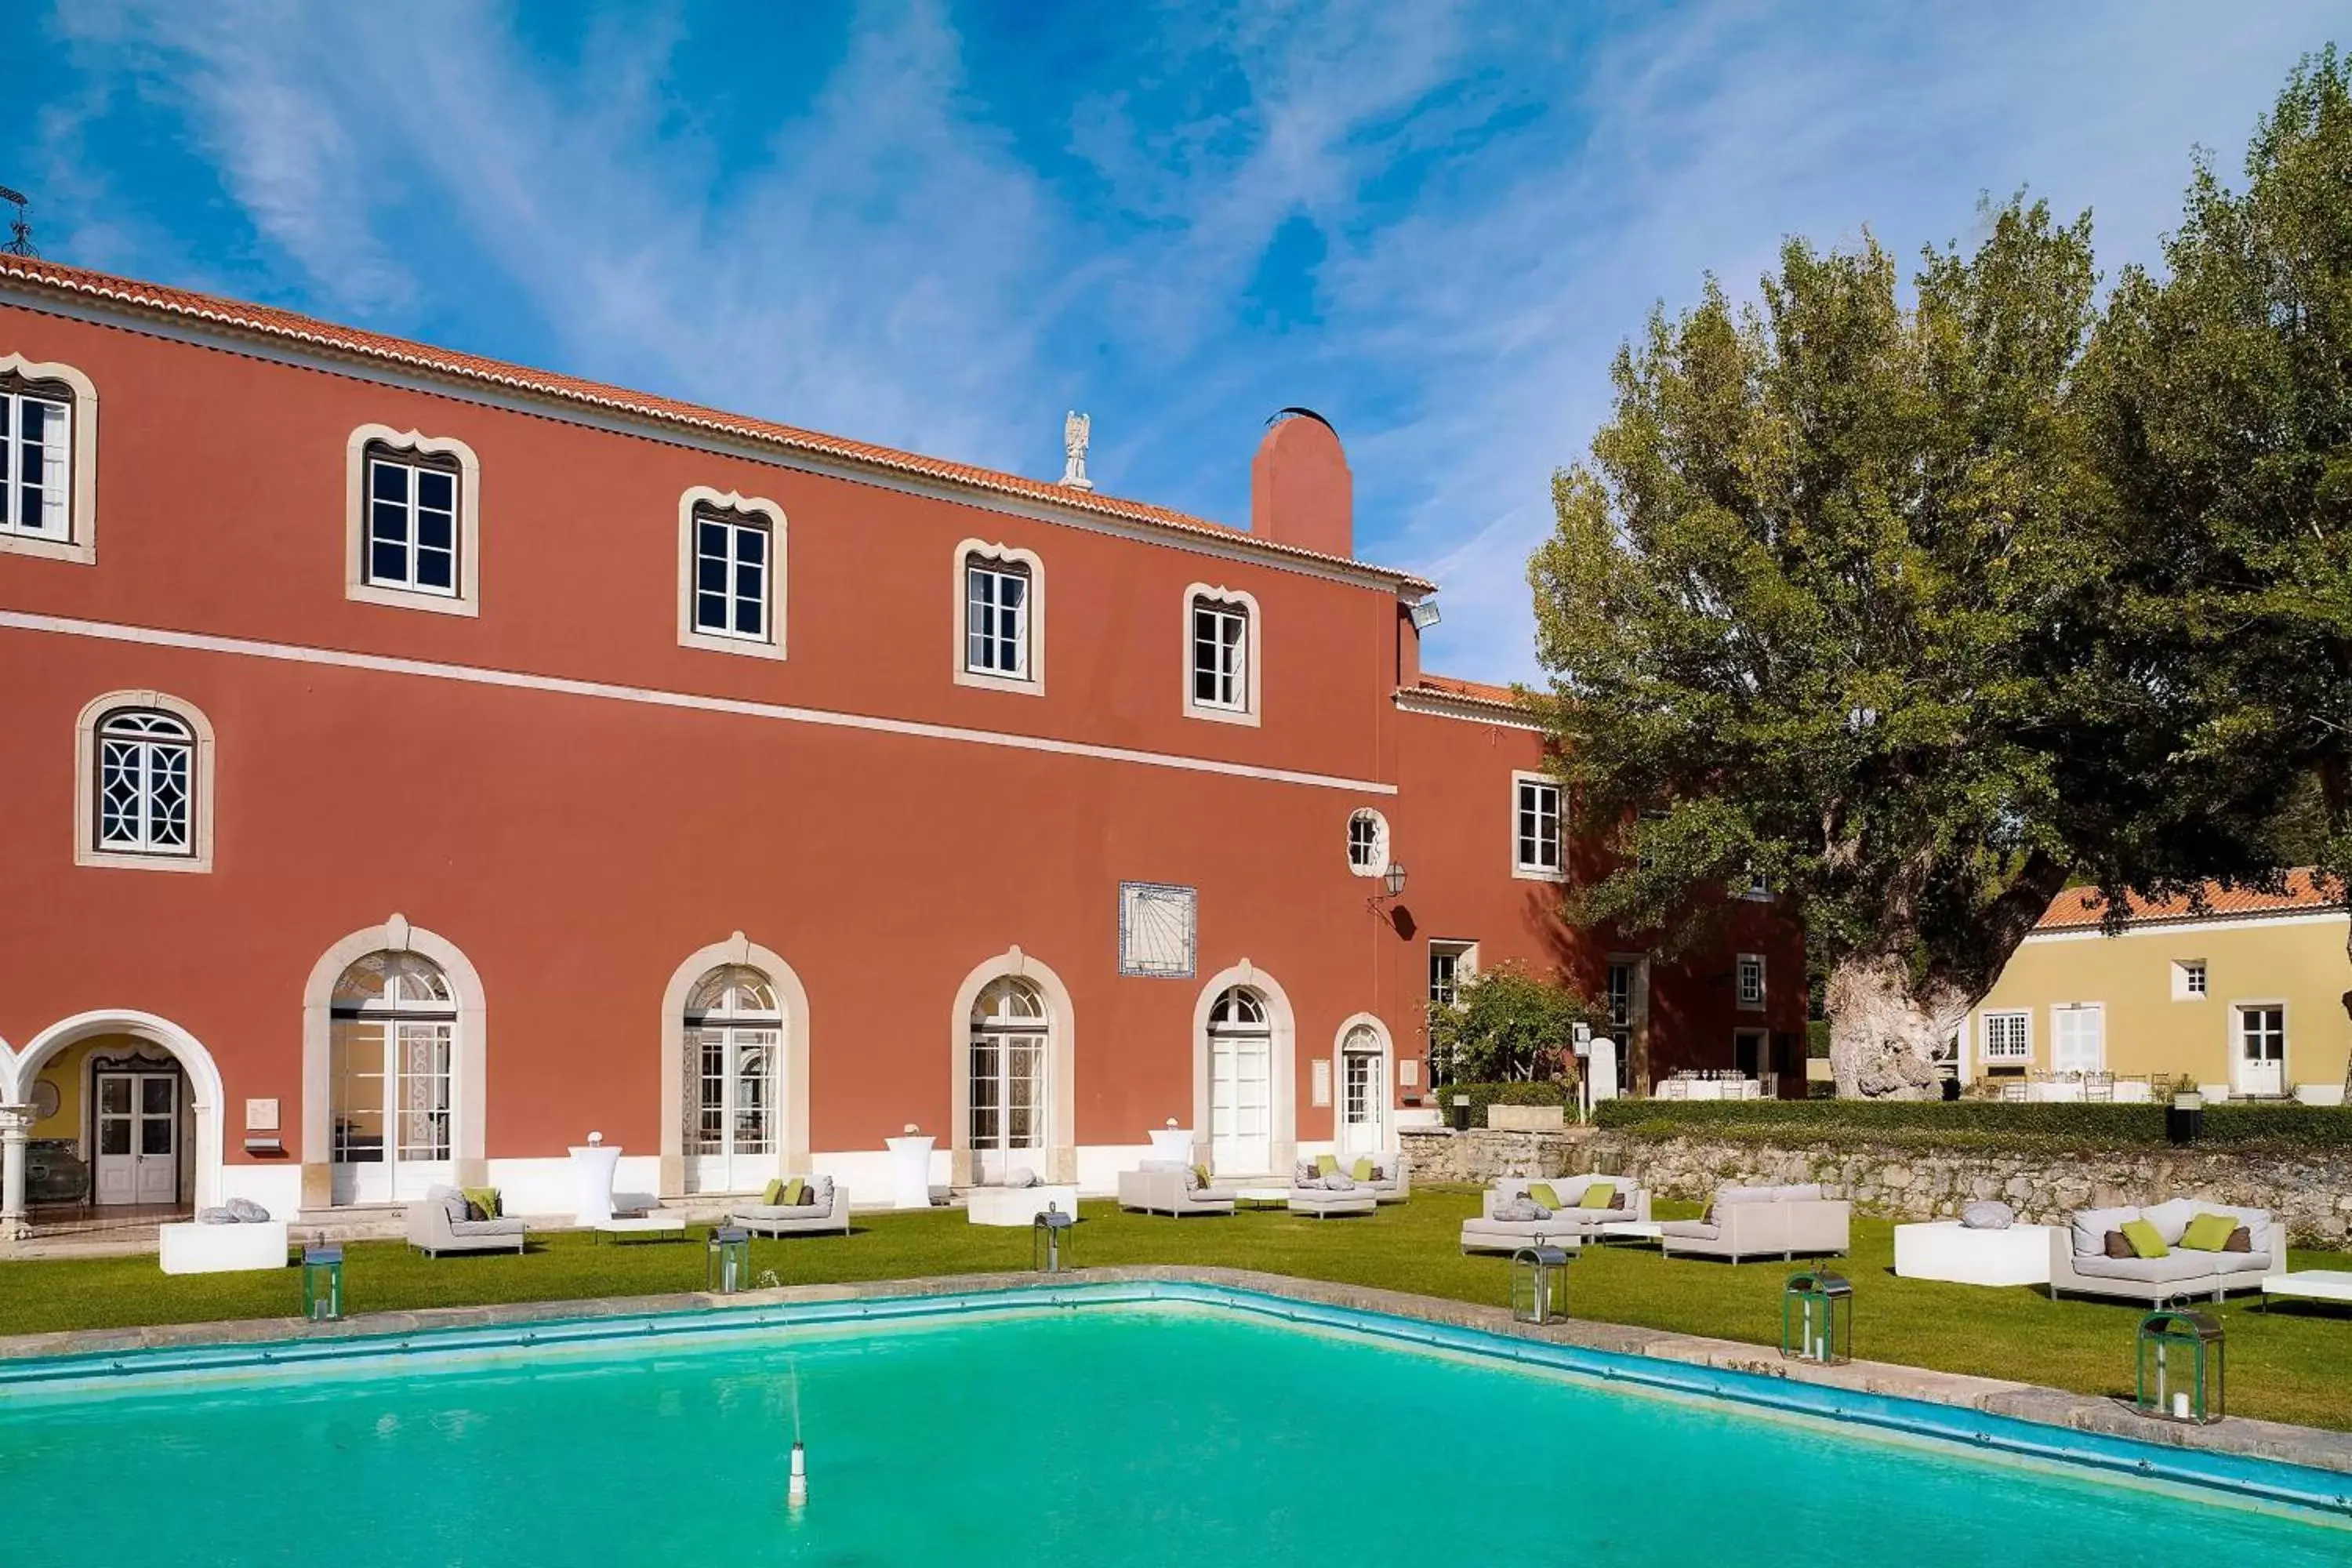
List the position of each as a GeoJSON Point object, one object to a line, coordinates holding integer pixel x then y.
{"type": "Point", "coordinates": [1976, 1123]}
{"type": "Point", "coordinates": [1540, 1091]}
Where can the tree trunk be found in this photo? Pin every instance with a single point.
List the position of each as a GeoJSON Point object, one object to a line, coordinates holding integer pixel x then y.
{"type": "Point", "coordinates": [1884, 1031]}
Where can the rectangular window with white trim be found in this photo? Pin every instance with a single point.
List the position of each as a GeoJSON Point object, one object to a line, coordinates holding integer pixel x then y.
{"type": "Point", "coordinates": [2007, 1038]}
{"type": "Point", "coordinates": [1452, 965]}
{"type": "Point", "coordinates": [1749, 970]}
{"type": "Point", "coordinates": [734, 576]}
{"type": "Point", "coordinates": [1219, 655]}
{"type": "Point", "coordinates": [412, 524]}
{"type": "Point", "coordinates": [36, 461]}
{"type": "Point", "coordinates": [996, 618]}
{"type": "Point", "coordinates": [1536, 827]}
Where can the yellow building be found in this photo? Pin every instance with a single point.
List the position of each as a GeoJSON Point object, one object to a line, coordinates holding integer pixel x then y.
{"type": "Point", "coordinates": [2245, 997]}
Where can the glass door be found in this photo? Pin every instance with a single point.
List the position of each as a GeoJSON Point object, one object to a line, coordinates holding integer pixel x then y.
{"type": "Point", "coordinates": [1363, 1093]}
{"type": "Point", "coordinates": [137, 1127]}
{"type": "Point", "coordinates": [2262, 1050]}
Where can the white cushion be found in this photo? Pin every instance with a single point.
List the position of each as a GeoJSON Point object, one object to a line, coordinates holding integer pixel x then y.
{"type": "Point", "coordinates": [2090, 1227]}
{"type": "Point", "coordinates": [2171, 1218]}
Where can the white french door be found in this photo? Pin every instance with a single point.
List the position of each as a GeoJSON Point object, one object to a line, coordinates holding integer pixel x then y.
{"type": "Point", "coordinates": [1240, 1103]}
{"type": "Point", "coordinates": [2262, 1050]}
{"type": "Point", "coordinates": [1363, 1093]}
{"type": "Point", "coordinates": [2078, 1037]}
{"type": "Point", "coordinates": [138, 1132]}
{"type": "Point", "coordinates": [390, 1093]}
{"type": "Point", "coordinates": [734, 1147]}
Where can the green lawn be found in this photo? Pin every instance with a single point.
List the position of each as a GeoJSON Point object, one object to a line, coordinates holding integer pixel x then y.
{"type": "Point", "coordinates": [2288, 1365]}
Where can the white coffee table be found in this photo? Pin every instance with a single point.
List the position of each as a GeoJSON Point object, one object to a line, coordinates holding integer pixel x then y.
{"type": "Point", "coordinates": [1630, 1230]}
{"type": "Point", "coordinates": [2310, 1285]}
{"type": "Point", "coordinates": [652, 1224]}
{"type": "Point", "coordinates": [1261, 1197]}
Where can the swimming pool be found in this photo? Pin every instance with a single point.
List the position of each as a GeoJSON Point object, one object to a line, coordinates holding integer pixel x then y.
{"type": "Point", "coordinates": [1125, 1426]}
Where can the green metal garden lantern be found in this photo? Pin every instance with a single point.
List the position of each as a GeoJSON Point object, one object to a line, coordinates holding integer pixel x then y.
{"type": "Point", "coordinates": [322, 1283]}
{"type": "Point", "coordinates": [1817, 1318]}
{"type": "Point", "coordinates": [1539, 1283]}
{"type": "Point", "coordinates": [1049, 1238]}
{"type": "Point", "coordinates": [726, 1260]}
{"type": "Point", "coordinates": [2180, 1366]}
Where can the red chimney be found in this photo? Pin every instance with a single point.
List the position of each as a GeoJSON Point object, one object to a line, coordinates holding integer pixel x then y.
{"type": "Point", "coordinates": [1300, 490]}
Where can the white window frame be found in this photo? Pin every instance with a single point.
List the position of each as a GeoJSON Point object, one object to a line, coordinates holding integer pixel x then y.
{"type": "Point", "coordinates": [2239, 1007]}
{"type": "Point", "coordinates": [78, 543]}
{"type": "Point", "coordinates": [198, 854]}
{"type": "Point", "coordinates": [1535, 870]}
{"type": "Point", "coordinates": [2057, 1037]}
{"type": "Point", "coordinates": [1750, 999]}
{"type": "Point", "coordinates": [2023, 1018]}
{"type": "Point", "coordinates": [1031, 680]}
{"type": "Point", "coordinates": [1376, 860]}
{"type": "Point", "coordinates": [1243, 685]}
{"type": "Point", "coordinates": [1462, 958]}
{"type": "Point", "coordinates": [2192, 980]}
{"type": "Point", "coordinates": [735, 510]}
{"type": "Point", "coordinates": [465, 593]}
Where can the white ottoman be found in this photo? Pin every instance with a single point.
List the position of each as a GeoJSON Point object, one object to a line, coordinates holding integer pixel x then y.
{"type": "Point", "coordinates": [1016, 1206]}
{"type": "Point", "coordinates": [192, 1248]}
{"type": "Point", "coordinates": [1324, 1204]}
{"type": "Point", "coordinates": [1947, 1249]}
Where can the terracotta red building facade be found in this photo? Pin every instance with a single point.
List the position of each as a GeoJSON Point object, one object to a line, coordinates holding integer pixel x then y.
{"type": "Point", "coordinates": [417, 763]}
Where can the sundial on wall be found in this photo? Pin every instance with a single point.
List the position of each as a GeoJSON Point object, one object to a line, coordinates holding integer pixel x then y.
{"type": "Point", "coordinates": [1156, 922]}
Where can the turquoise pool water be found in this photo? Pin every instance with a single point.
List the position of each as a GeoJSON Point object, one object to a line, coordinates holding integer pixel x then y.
{"type": "Point", "coordinates": [1113, 1435]}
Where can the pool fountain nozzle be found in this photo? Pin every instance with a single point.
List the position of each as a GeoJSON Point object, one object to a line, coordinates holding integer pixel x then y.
{"type": "Point", "coordinates": [796, 1493]}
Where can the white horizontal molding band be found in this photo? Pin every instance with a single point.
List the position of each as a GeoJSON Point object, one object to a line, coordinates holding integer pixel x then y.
{"type": "Point", "coordinates": [383, 664]}
{"type": "Point", "coordinates": [1439, 707]}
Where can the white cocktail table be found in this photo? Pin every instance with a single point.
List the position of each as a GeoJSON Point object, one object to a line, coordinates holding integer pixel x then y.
{"type": "Point", "coordinates": [2310, 1285]}
{"type": "Point", "coordinates": [1630, 1230]}
{"type": "Point", "coordinates": [1262, 1197]}
{"type": "Point", "coordinates": [1948, 1250]}
{"type": "Point", "coordinates": [653, 1224]}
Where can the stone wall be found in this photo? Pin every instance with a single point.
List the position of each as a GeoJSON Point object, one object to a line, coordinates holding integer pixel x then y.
{"type": "Point", "coordinates": [1477, 1157]}
{"type": "Point", "coordinates": [2311, 1190]}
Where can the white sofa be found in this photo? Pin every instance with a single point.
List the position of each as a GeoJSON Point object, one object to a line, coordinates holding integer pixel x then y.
{"type": "Point", "coordinates": [822, 1218]}
{"type": "Point", "coordinates": [1762, 1222]}
{"type": "Point", "coordinates": [2079, 1260]}
{"type": "Point", "coordinates": [437, 1225]}
{"type": "Point", "coordinates": [1569, 1226]}
{"type": "Point", "coordinates": [1164, 1186]}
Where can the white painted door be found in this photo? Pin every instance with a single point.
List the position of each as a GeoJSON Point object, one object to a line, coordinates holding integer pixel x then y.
{"type": "Point", "coordinates": [1363, 1094]}
{"type": "Point", "coordinates": [1008, 1105]}
{"type": "Point", "coordinates": [733, 1135]}
{"type": "Point", "coordinates": [2078, 1037]}
{"type": "Point", "coordinates": [138, 1138]}
{"type": "Point", "coordinates": [2262, 1050]}
{"type": "Point", "coordinates": [1241, 1104]}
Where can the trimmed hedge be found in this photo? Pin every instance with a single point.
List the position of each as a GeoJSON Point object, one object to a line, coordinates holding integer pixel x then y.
{"type": "Point", "coordinates": [1482, 1095]}
{"type": "Point", "coordinates": [1977, 1123]}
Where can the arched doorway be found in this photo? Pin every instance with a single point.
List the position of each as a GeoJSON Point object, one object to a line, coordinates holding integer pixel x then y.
{"type": "Point", "coordinates": [1010, 1080]}
{"type": "Point", "coordinates": [1241, 1083]}
{"type": "Point", "coordinates": [391, 1096]}
{"type": "Point", "coordinates": [118, 1109]}
{"type": "Point", "coordinates": [734, 1032]}
{"type": "Point", "coordinates": [1362, 1112]}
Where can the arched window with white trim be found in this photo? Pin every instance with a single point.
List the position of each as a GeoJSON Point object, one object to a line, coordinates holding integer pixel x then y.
{"type": "Point", "coordinates": [1241, 1083]}
{"type": "Point", "coordinates": [1367, 843]}
{"type": "Point", "coordinates": [1010, 1070]}
{"type": "Point", "coordinates": [1364, 1090]}
{"type": "Point", "coordinates": [734, 1032]}
{"type": "Point", "coordinates": [1223, 631]}
{"type": "Point", "coordinates": [146, 783]}
{"type": "Point", "coordinates": [391, 1049]}
{"type": "Point", "coordinates": [49, 447]}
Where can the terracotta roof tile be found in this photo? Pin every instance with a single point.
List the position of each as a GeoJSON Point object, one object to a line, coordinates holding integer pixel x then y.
{"type": "Point", "coordinates": [269, 321]}
{"type": "Point", "coordinates": [2077, 907]}
{"type": "Point", "coordinates": [1469, 690]}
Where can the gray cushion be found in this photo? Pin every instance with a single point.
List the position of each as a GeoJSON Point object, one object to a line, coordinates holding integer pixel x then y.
{"type": "Point", "coordinates": [2172, 1267]}
{"type": "Point", "coordinates": [1339, 1181]}
{"type": "Point", "coordinates": [1726, 1196]}
{"type": "Point", "coordinates": [1807, 1192]}
{"type": "Point", "coordinates": [1692, 1229]}
{"type": "Point", "coordinates": [1021, 1179]}
{"type": "Point", "coordinates": [1521, 1209]}
{"type": "Point", "coordinates": [1987, 1215]}
{"type": "Point", "coordinates": [781, 1210]}
{"type": "Point", "coordinates": [485, 1227]}
{"type": "Point", "coordinates": [820, 1191]}
{"type": "Point", "coordinates": [2091, 1226]}
{"type": "Point", "coordinates": [215, 1216]}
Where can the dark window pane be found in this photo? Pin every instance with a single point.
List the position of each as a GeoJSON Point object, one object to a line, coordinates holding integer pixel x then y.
{"type": "Point", "coordinates": [388, 482]}
{"type": "Point", "coordinates": [711, 576]}
{"type": "Point", "coordinates": [435, 531]}
{"type": "Point", "coordinates": [387, 563]}
{"type": "Point", "coordinates": [1204, 686]}
{"type": "Point", "coordinates": [747, 617]}
{"type": "Point", "coordinates": [710, 612]}
{"type": "Point", "coordinates": [436, 489]}
{"type": "Point", "coordinates": [747, 582]}
{"type": "Point", "coordinates": [435, 569]}
{"type": "Point", "coordinates": [751, 544]}
{"type": "Point", "coordinates": [710, 538]}
{"type": "Point", "coordinates": [390, 521]}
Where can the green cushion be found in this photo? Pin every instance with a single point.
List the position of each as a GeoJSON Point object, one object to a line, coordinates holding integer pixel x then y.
{"type": "Point", "coordinates": [2208, 1233]}
{"type": "Point", "coordinates": [483, 1198]}
{"type": "Point", "coordinates": [1362, 1170]}
{"type": "Point", "coordinates": [2144, 1242]}
{"type": "Point", "coordinates": [1200, 1175]}
{"type": "Point", "coordinates": [1542, 1192]}
{"type": "Point", "coordinates": [1327, 1164]}
{"type": "Point", "coordinates": [1597, 1195]}
{"type": "Point", "coordinates": [796, 1191]}
{"type": "Point", "coordinates": [774, 1192]}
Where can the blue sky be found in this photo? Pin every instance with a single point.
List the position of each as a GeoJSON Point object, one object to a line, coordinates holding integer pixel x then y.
{"type": "Point", "coordinates": [940, 226]}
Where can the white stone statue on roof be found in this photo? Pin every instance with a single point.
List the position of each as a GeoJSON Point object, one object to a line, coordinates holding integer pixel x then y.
{"type": "Point", "coordinates": [1076, 431]}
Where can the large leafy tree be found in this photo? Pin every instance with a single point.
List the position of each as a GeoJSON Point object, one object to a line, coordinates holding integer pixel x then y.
{"type": "Point", "coordinates": [2220, 396]}
{"type": "Point", "coordinates": [1832, 603]}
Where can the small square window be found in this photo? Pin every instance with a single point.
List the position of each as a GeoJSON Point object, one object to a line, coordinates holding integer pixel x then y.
{"type": "Point", "coordinates": [1751, 980]}
{"type": "Point", "coordinates": [2189, 980]}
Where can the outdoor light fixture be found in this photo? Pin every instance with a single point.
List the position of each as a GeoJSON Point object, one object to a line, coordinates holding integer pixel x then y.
{"type": "Point", "coordinates": [1049, 1237]}
{"type": "Point", "coordinates": [726, 1260]}
{"type": "Point", "coordinates": [1538, 1283]}
{"type": "Point", "coordinates": [1817, 1318]}
{"type": "Point", "coordinates": [322, 1284]}
{"type": "Point", "coordinates": [2181, 1362]}
{"type": "Point", "coordinates": [1395, 878]}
